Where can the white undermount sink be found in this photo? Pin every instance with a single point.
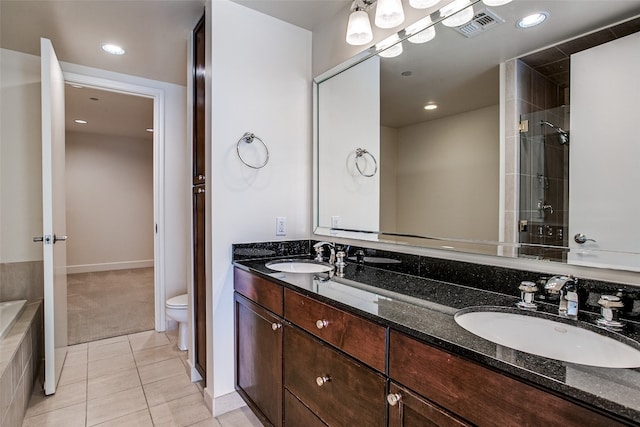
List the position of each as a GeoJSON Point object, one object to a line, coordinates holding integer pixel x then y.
{"type": "Point", "coordinates": [549, 338]}
{"type": "Point", "coordinates": [299, 266]}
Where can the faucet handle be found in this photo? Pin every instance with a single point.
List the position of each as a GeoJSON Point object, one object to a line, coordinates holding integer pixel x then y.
{"type": "Point", "coordinates": [610, 306]}
{"type": "Point", "coordinates": [527, 294]}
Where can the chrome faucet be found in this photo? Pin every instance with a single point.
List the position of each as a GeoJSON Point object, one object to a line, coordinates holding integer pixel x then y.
{"type": "Point", "coordinates": [566, 287]}
{"type": "Point", "coordinates": [319, 250]}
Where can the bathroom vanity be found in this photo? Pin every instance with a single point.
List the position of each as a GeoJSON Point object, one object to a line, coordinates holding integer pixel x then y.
{"type": "Point", "coordinates": [381, 348]}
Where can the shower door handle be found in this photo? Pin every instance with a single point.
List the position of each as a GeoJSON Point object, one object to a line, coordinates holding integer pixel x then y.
{"type": "Point", "coordinates": [581, 239]}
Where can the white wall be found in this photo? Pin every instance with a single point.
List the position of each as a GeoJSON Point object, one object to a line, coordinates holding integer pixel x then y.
{"type": "Point", "coordinates": [20, 157]}
{"type": "Point", "coordinates": [260, 83]}
{"type": "Point", "coordinates": [21, 177]}
{"type": "Point", "coordinates": [349, 112]}
{"type": "Point", "coordinates": [446, 166]}
{"type": "Point", "coordinates": [109, 191]}
{"type": "Point", "coordinates": [388, 179]}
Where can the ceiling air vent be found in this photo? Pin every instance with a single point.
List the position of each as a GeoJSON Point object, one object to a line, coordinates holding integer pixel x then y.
{"type": "Point", "coordinates": [482, 21]}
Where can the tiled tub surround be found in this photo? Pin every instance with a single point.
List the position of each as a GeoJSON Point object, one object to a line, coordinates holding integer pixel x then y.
{"type": "Point", "coordinates": [424, 308]}
{"type": "Point", "coordinates": [20, 357]}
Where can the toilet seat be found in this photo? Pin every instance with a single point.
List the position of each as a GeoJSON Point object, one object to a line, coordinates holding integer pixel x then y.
{"type": "Point", "coordinates": [178, 302]}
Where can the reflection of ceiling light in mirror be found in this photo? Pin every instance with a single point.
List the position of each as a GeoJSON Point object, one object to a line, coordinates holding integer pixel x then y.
{"type": "Point", "coordinates": [430, 107]}
{"type": "Point", "coordinates": [423, 31]}
{"type": "Point", "coordinates": [389, 13]}
{"type": "Point", "coordinates": [423, 4]}
{"type": "Point", "coordinates": [532, 20]}
{"type": "Point", "coordinates": [389, 47]}
{"type": "Point", "coordinates": [113, 49]}
{"type": "Point", "coordinates": [495, 2]}
{"type": "Point", "coordinates": [80, 122]}
{"type": "Point", "coordinates": [359, 28]}
{"type": "Point", "coordinates": [455, 14]}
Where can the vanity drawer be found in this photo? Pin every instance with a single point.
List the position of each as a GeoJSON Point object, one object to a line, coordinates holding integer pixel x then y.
{"type": "Point", "coordinates": [296, 414]}
{"type": "Point", "coordinates": [352, 334]}
{"type": "Point", "coordinates": [478, 394]}
{"type": "Point", "coordinates": [339, 390]}
{"type": "Point", "coordinates": [258, 290]}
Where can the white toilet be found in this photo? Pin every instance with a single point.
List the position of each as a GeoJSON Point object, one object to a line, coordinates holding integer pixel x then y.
{"type": "Point", "coordinates": [178, 310]}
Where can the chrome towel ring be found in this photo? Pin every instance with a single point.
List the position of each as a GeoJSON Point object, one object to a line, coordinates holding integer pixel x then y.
{"type": "Point", "coordinates": [248, 138]}
{"type": "Point", "coordinates": [360, 152]}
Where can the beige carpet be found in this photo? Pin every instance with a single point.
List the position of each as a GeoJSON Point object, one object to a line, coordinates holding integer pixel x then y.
{"type": "Point", "coordinates": [109, 303]}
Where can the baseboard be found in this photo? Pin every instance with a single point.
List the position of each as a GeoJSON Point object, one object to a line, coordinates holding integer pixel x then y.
{"type": "Point", "coordinates": [108, 266]}
{"type": "Point", "coordinates": [227, 403]}
{"type": "Point", "coordinates": [193, 373]}
{"type": "Point", "coordinates": [208, 398]}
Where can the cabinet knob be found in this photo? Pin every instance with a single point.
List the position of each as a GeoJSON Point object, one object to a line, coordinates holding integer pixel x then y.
{"type": "Point", "coordinates": [394, 398]}
{"type": "Point", "coordinates": [275, 326]}
{"type": "Point", "coordinates": [322, 324]}
{"type": "Point", "coordinates": [323, 380]}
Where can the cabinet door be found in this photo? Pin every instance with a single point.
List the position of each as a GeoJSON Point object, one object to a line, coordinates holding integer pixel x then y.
{"type": "Point", "coordinates": [338, 389]}
{"type": "Point", "coordinates": [407, 409]}
{"type": "Point", "coordinates": [259, 359]}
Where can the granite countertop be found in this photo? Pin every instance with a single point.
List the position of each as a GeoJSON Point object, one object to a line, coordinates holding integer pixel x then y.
{"type": "Point", "coordinates": [424, 308]}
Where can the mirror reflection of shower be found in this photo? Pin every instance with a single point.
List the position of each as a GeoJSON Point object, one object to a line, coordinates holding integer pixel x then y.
{"type": "Point", "coordinates": [563, 135]}
{"type": "Point", "coordinates": [544, 183]}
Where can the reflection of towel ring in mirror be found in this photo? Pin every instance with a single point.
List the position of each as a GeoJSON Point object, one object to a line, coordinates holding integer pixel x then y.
{"type": "Point", "coordinates": [360, 152]}
{"type": "Point", "coordinates": [248, 137]}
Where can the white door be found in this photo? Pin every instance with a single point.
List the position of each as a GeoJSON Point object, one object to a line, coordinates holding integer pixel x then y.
{"type": "Point", "coordinates": [604, 155]}
{"type": "Point", "coordinates": [53, 216]}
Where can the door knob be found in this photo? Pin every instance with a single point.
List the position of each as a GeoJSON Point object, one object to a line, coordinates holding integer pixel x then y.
{"type": "Point", "coordinates": [581, 238]}
{"type": "Point", "coordinates": [59, 238]}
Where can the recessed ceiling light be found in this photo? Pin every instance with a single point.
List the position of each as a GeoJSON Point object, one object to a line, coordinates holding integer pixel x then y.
{"type": "Point", "coordinates": [431, 106]}
{"type": "Point", "coordinates": [149, 129]}
{"type": "Point", "coordinates": [113, 49]}
{"type": "Point", "coordinates": [532, 20]}
{"type": "Point", "coordinates": [80, 122]}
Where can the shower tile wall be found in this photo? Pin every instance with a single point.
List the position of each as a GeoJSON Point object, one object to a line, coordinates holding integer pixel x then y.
{"type": "Point", "coordinates": [21, 280]}
{"type": "Point", "coordinates": [543, 165]}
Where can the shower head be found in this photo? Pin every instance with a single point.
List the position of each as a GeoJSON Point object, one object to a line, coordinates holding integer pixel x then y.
{"type": "Point", "coordinates": [563, 135]}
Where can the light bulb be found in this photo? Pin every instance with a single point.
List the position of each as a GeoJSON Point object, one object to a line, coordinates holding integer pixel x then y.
{"type": "Point", "coordinates": [455, 14]}
{"type": "Point", "coordinates": [422, 31]}
{"type": "Point", "coordinates": [423, 4]}
{"type": "Point", "coordinates": [359, 28]}
{"type": "Point", "coordinates": [390, 47]}
{"type": "Point", "coordinates": [389, 13]}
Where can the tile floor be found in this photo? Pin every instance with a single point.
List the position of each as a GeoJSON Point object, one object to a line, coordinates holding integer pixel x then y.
{"type": "Point", "coordinates": [130, 380]}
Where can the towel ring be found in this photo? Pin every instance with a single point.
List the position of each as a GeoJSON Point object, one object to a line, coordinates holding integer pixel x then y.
{"type": "Point", "coordinates": [249, 137]}
{"type": "Point", "coordinates": [360, 152]}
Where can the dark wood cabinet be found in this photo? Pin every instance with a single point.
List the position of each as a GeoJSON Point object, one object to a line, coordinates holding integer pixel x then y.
{"type": "Point", "coordinates": [302, 362]}
{"type": "Point", "coordinates": [259, 359]}
{"type": "Point", "coordinates": [296, 414]}
{"type": "Point", "coordinates": [478, 394]}
{"type": "Point", "coordinates": [339, 390]}
{"type": "Point", "coordinates": [358, 337]}
{"type": "Point", "coordinates": [408, 409]}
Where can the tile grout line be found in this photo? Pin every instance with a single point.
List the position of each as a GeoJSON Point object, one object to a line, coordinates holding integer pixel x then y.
{"type": "Point", "coordinates": [141, 384]}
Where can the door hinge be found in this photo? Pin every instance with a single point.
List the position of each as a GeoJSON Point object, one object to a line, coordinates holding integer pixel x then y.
{"type": "Point", "coordinates": [523, 126]}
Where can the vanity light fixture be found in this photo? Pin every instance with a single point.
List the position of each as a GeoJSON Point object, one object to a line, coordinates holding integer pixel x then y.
{"type": "Point", "coordinates": [113, 49]}
{"type": "Point", "coordinates": [390, 47]}
{"type": "Point", "coordinates": [389, 13]}
{"type": "Point", "coordinates": [423, 4]}
{"type": "Point", "coordinates": [457, 13]}
{"type": "Point", "coordinates": [495, 2]}
{"type": "Point", "coordinates": [431, 107]}
{"type": "Point", "coordinates": [359, 28]}
{"type": "Point", "coordinates": [80, 121]}
{"type": "Point", "coordinates": [423, 31]}
{"type": "Point", "coordinates": [532, 20]}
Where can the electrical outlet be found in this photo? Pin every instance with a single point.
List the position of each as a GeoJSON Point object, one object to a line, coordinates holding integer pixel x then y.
{"type": "Point", "coordinates": [281, 226]}
{"type": "Point", "coordinates": [335, 221]}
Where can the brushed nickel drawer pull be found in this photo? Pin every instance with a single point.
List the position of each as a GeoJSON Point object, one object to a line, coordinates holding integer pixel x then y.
{"type": "Point", "coordinates": [323, 380]}
{"type": "Point", "coordinates": [322, 324]}
{"type": "Point", "coordinates": [394, 398]}
{"type": "Point", "coordinates": [275, 326]}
